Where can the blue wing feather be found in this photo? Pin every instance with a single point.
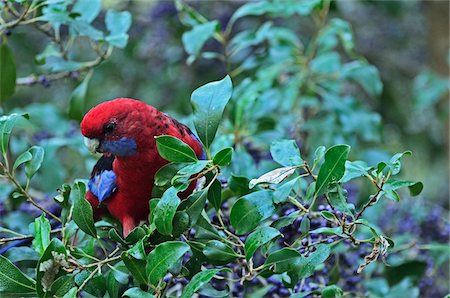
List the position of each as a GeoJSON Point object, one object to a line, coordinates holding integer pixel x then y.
{"type": "Point", "coordinates": [103, 179]}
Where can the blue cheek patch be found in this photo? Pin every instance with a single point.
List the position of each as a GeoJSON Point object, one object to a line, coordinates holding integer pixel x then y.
{"type": "Point", "coordinates": [120, 147]}
{"type": "Point", "coordinates": [103, 185]}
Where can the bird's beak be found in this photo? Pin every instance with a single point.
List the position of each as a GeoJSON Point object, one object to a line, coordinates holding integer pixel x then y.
{"type": "Point", "coordinates": [92, 144]}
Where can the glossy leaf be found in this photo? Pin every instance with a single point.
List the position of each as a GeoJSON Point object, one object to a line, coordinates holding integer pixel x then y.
{"type": "Point", "coordinates": [218, 251]}
{"type": "Point", "coordinates": [62, 285]}
{"type": "Point", "coordinates": [22, 158]}
{"type": "Point", "coordinates": [163, 257]}
{"type": "Point", "coordinates": [173, 149]}
{"type": "Point", "coordinates": [167, 172]}
{"type": "Point", "coordinates": [333, 167]}
{"type": "Point", "coordinates": [215, 194]}
{"type": "Point", "coordinates": [355, 169]}
{"type": "Point", "coordinates": [281, 194]}
{"type": "Point", "coordinates": [223, 157]}
{"type": "Point", "coordinates": [332, 291]}
{"type": "Point", "coordinates": [338, 198]}
{"type": "Point", "coordinates": [198, 281]}
{"type": "Point", "coordinates": [7, 72]}
{"type": "Point", "coordinates": [198, 203]}
{"type": "Point", "coordinates": [165, 211]}
{"type": "Point", "coordinates": [286, 153]}
{"type": "Point", "coordinates": [82, 211]}
{"type": "Point", "coordinates": [12, 280]}
{"type": "Point", "coordinates": [208, 103]}
{"type": "Point", "coordinates": [41, 234]}
{"type": "Point", "coordinates": [135, 266]}
{"type": "Point", "coordinates": [7, 124]}
{"type": "Point", "coordinates": [250, 210]}
{"type": "Point", "coordinates": [258, 238]}
{"type": "Point", "coordinates": [33, 165]}
{"type": "Point", "coordinates": [137, 293]}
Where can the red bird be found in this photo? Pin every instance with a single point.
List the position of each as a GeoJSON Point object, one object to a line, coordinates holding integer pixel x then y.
{"type": "Point", "coordinates": [123, 130]}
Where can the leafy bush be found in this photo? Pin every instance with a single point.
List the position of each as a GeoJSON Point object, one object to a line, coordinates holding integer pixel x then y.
{"type": "Point", "coordinates": [288, 193]}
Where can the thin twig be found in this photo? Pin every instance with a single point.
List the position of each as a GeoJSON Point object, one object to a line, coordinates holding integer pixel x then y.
{"type": "Point", "coordinates": [26, 194]}
{"type": "Point", "coordinates": [4, 240]}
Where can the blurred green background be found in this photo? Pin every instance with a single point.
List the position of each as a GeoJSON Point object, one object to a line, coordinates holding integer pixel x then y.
{"type": "Point", "coordinates": [406, 40]}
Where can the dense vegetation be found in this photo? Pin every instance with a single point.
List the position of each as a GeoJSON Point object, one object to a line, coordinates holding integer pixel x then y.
{"type": "Point", "coordinates": [304, 191]}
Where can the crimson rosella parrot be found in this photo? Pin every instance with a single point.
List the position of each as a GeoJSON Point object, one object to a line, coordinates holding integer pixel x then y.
{"type": "Point", "coordinates": [123, 130]}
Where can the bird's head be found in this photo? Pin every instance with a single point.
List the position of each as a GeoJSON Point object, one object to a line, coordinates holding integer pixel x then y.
{"type": "Point", "coordinates": [115, 126]}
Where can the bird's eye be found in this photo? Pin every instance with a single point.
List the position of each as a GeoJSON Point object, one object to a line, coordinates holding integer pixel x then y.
{"type": "Point", "coordinates": [109, 128]}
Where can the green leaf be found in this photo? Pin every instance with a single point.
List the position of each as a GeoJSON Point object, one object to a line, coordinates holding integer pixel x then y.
{"type": "Point", "coordinates": [180, 223]}
{"type": "Point", "coordinates": [305, 224]}
{"type": "Point", "coordinates": [215, 194]}
{"type": "Point", "coordinates": [12, 280]}
{"type": "Point", "coordinates": [22, 158]}
{"type": "Point", "coordinates": [88, 9]}
{"type": "Point", "coordinates": [135, 266]}
{"type": "Point", "coordinates": [328, 231]}
{"type": "Point", "coordinates": [6, 125]}
{"type": "Point", "coordinates": [167, 172]}
{"type": "Point", "coordinates": [7, 72]}
{"type": "Point", "coordinates": [72, 293]}
{"type": "Point", "coordinates": [355, 169]}
{"type": "Point", "coordinates": [281, 194]}
{"type": "Point", "coordinates": [194, 40]}
{"type": "Point", "coordinates": [395, 162]}
{"type": "Point", "coordinates": [332, 291]}
{"type": "Point", "coordinates": [41, 234]}
{"type": "Point", "coordinates": [333, 167]}
{"type": "Point", "coordinates": [165, 211]}
{"type": "Point", "coordinates": [50, 266]}
{"type": "Point", "coordinates": [173, 149]}
{"type": "Point", "coordinates": [117, 24]}
{"type": "Point", "coordinates": [78, 98]}
{"type": "Point", "coordinates": [218, 251]}
{"type": "Point", "coordinates": [137, 293]}
{"type": "Point", "coordinates": [328, 215]}
{"type": "Point", "coordinates": [198, 281]}
{"type": "Point", "coordinates": [223, 157]}
{"type": "Point", "coordinates": [308, 265]}
{"type": "Point", "coordinates": [338, 198]}
{"type": "Point", "coordinates": [258, 238]}
{"type": "Point", "coordinates": [62, 285]}
{"type": "Point", "coordinates": [273, 177]}
{"type": "Point", "coordinates": [137, 250]}
{"type": "Point", "coordinates": [181, 180]}
{"type": "Point", "coordinates": [208, 103]}
{"type": "Point", "coordinates": [204, 229]}
{"type": "Point", "coordinates": [365, 75]}
{"type": "Point", "coordinates": [163, 257]}
{"type": "Point", "coordinates": [250, 210]}
{"type": "Point", "coordinates": [318, 155]}
{"type": "Point", "coordinates": [415, 188]}
{"type": "Point", "coordinates": [198, 203]}
{"type": "Point", "coordinates": [33, 165]}
{"type": "Point", "coordinates": [82, 211]}
{"type": "Point", "coordinates": [286, 153]}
